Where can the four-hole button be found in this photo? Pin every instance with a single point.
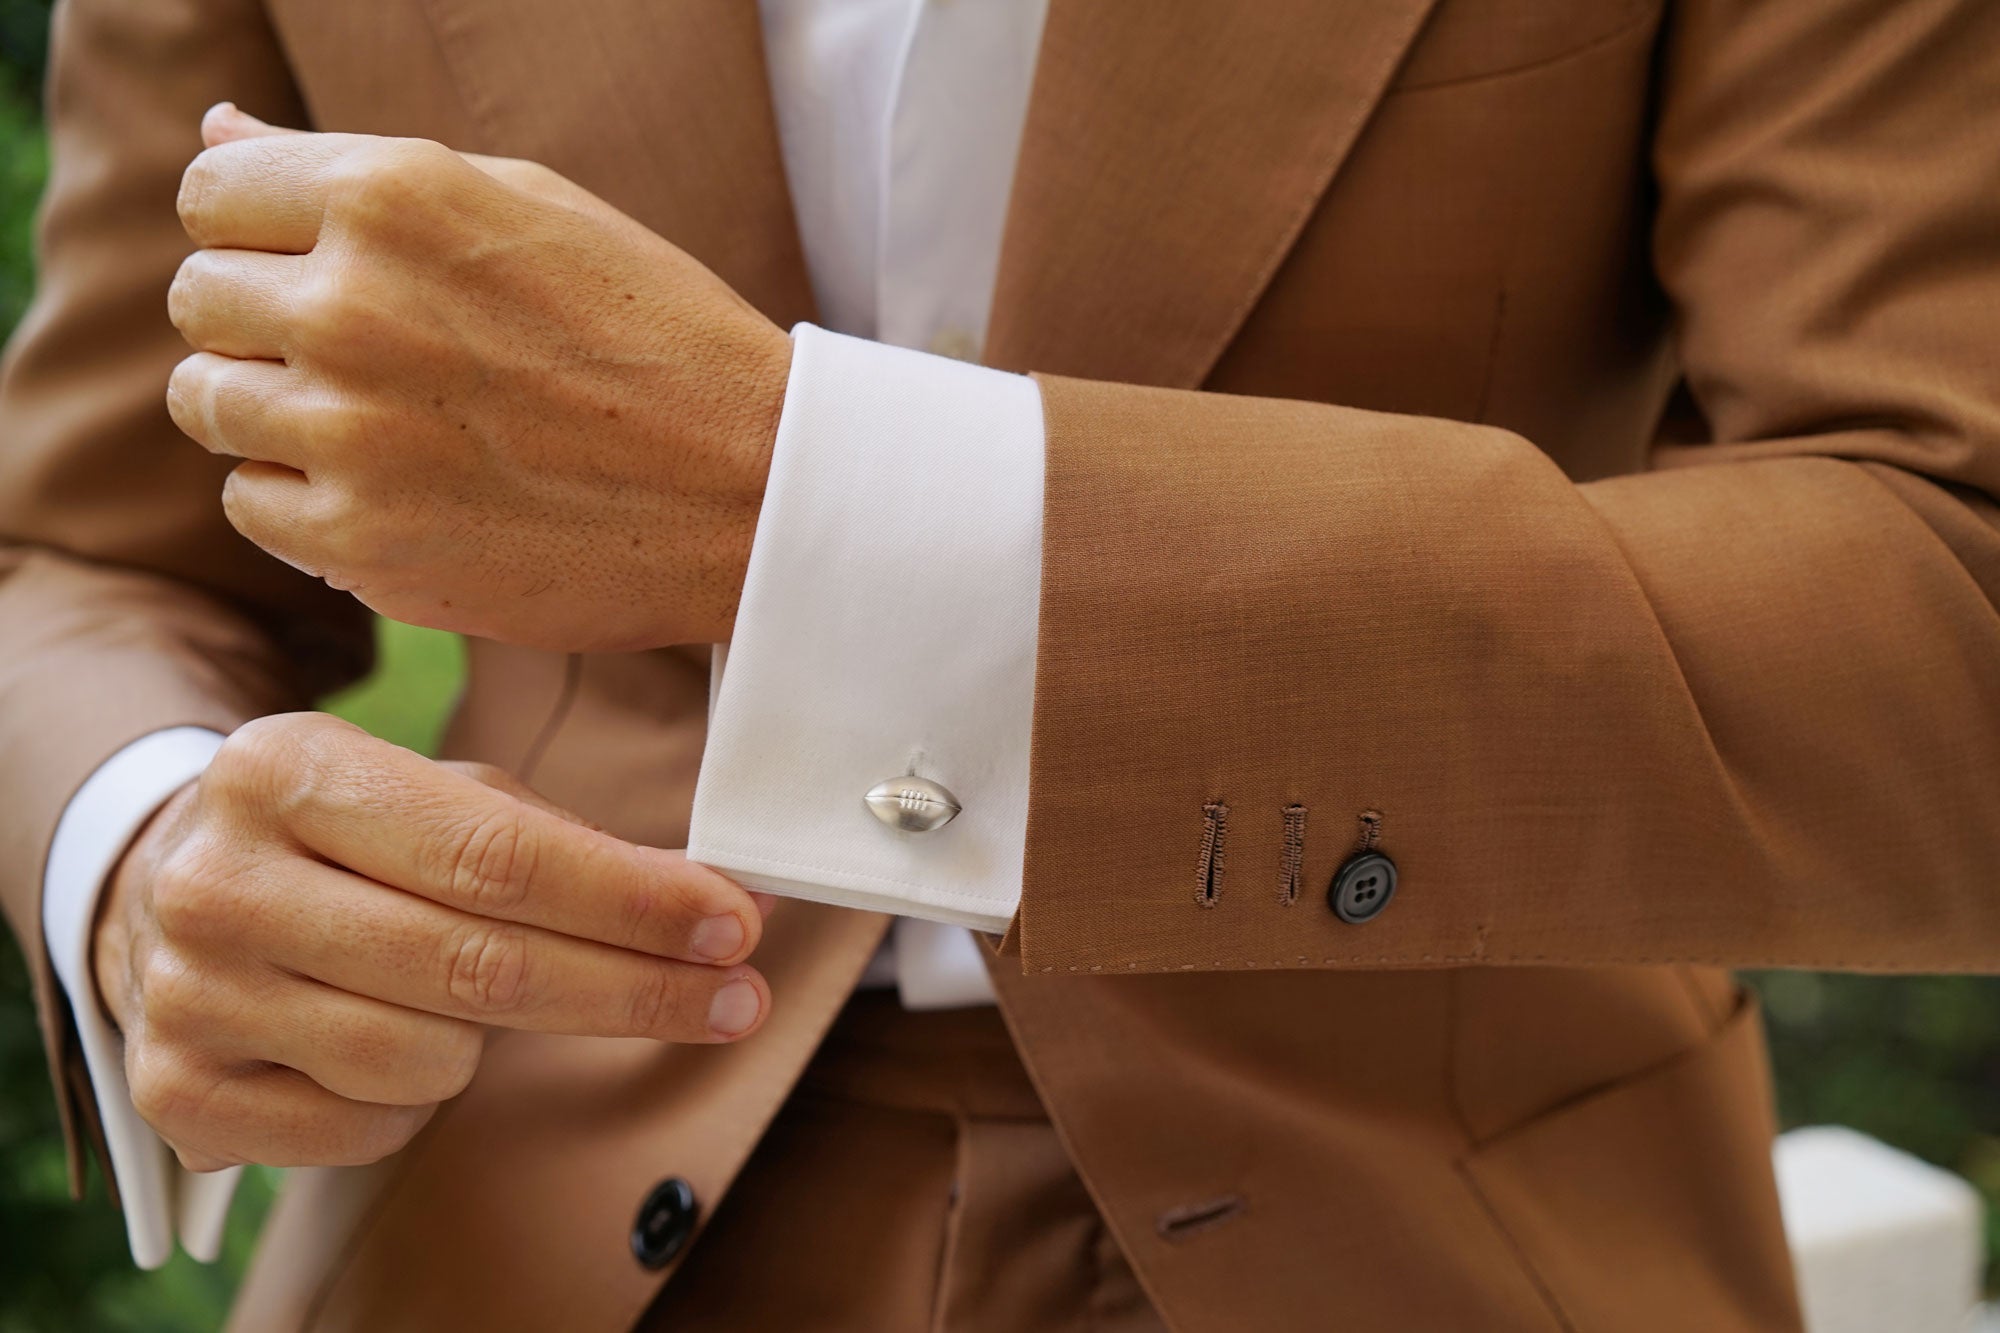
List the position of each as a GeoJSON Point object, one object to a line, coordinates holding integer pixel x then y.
{"type": "Point", "coordinates": [1362, 888]}
{"type": "Point", "coordinates": [666, 1219]}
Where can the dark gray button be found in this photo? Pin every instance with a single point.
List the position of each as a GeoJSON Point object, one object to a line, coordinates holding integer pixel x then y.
{"type": "Point", "coordinates": [666, 1220]}
{"type": "Point", "coordinates": [1362, 888]}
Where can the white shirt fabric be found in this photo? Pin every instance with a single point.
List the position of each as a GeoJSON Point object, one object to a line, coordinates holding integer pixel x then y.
{"type": "Point", "coordinates": [887, 627]}
{"type": "Point", "coordinates": [888, 618]}
{"type": "Point", "coordinates": [106, 813]}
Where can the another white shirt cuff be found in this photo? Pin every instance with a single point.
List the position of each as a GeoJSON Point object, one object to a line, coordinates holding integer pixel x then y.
{"type": "Point", "coordinates": [107, 812]}
{"type": "Point", "coordinates": [887, 627]}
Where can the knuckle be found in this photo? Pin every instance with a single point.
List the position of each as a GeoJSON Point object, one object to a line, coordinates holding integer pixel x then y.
{"type": "Point", "coordinates": [192, 890]}
{"type": "Point", "coordinates": [187, 392]}
{"type": "Point", "coordinates": [377, 1134]}
{"type": "Point", "coordinates": [388, 182]}
{"type": "Point", "coordinates": [170, 991]}
{"type": "Point", "coordinates": [240, 507]}
{"type": "Point", "coordinates": [487, 968]}
{"type": "Point", "coordinates": [349, 528]}
{"type": "Point", "coordinates": [334, 424]}
{"type": "Point", "coordinates": [389, 1065]}
{"type": "Point", "coordinates": [252, 754]}
{"type": "Point", "coordinates": [658, 1004]}
{"type": "Point", "coordinates": [208, 400]}
{"type": "Point", "coordinates": [274, 766]}
{"type": "Point", "coordinates": [693, 896]}
{"type": "Point", "coordinates": [493, 863]}
{"type": "Point", "coordinates": [165, 1089]}
{"type": "Point", "coordinates": [181, 292]}
{"type": "Point", "coordinates": [328, 311]}
{"type": "Point", "coordinates": [320, 758]}
{"type": "Point", "coordinates": [196, 193]}
{"type": "Point", "coordinates": [448, 1064]}
{"type": "Point", "coordinates": [219, 393]}
{"type": "Point", "coordinates": [347, 317]}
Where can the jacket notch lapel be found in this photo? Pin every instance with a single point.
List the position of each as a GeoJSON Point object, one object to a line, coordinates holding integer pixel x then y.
{"type": "Point", "coordinates": [663, 110]}
{"type": "Point", "coordinates": [1172, 154]}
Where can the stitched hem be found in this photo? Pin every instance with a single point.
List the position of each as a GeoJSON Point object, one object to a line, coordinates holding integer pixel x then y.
{"type": "Point", "coordinates": [948, 909]}
{"type": "Point", "coordinates": [1406, 960]}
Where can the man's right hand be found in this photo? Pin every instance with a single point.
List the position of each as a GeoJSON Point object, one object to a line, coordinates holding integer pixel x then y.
{"type": "Point", "coordinates": [305, 946]}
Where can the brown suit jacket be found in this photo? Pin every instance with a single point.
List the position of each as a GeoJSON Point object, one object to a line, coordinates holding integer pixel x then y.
{"type": "Point", "coordinates": [1566, 428]}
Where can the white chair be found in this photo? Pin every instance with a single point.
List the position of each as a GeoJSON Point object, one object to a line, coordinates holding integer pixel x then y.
{"type": "Point", "coordinates": [1883, 1242]}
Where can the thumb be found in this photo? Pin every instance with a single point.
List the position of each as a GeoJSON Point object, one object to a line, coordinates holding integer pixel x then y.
{"type": "Point", "coordinates": [225, 122]}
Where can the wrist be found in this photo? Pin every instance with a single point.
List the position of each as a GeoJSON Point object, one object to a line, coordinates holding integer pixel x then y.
{"type": "Point", "coordinates": [756, 393]}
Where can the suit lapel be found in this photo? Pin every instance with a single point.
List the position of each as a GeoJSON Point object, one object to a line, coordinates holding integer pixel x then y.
{"type": "Point", "coordinates": [664, 111]}
{"type": "Point", "coordinates": [1171, 156]}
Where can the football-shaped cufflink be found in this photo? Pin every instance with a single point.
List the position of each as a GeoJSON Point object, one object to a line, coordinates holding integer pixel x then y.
{"type": "Point", "coordinates": [912, 804]}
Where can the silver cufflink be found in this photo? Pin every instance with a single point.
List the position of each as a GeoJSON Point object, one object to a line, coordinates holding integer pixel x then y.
{"type": "Point", "coordinates": [912, 804]}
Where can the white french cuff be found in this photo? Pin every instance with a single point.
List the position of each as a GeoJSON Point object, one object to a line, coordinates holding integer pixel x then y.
{"type": "Point", "coordinates": [887, 628]}
{"type": "Point", "coordinates": [107, 812]}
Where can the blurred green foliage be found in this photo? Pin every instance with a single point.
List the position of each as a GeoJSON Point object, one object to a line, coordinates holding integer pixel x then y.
{"type": "Point", "coordinates": [1914, 1061]}
{"type": "Point", "coordinates": [23, 152]}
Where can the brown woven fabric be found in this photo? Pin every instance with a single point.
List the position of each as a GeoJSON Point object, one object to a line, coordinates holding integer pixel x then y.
{"type": "Point", "coordinates": [912, 1184]}
{"type": "Point", "coordinates": [1568, 428]}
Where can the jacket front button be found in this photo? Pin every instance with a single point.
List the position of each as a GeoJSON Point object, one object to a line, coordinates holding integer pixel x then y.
{"type": "Point", "coordinates": [1362, 888]}
{"type": "Point", "coordinates": [666, 1220]}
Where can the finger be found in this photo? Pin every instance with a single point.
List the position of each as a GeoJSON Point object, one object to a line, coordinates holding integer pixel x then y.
{"type": "Point", "coordinates": [352, 1045]}
{"type": "Point", "coordinates": [262, 192]}
{"type": "Point", "coordinates": [225, 122]}
{"type": "Point", "coordinates": [241, 409]}
{"type": "Point", "coordinates": [501, 780]}
{"type": "Point", "coordinates": [271, 1115]}
{"type": "Point", "coordinates": [236, 302]}
{"type": "Point", "coordinates": [459, 842]}
{"type": "Point", "coordinates": [357, 936]}
{"type": "Point", "coordinates": [273, 506]}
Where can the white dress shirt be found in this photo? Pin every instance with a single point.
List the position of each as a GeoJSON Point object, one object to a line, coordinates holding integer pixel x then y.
{"type": "Point", "coordinates": [888, 618]}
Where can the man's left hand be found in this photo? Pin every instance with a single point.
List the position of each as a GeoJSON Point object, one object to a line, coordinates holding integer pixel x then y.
{"type": "Point", "coordinates": [469, 392]}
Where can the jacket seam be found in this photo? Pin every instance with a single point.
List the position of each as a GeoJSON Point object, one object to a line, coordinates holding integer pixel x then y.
{"type": "Point", "coordinates": [1644, 15]}
{"type": "Point", "coordinates": [1157, 964]}
{"type": "Point", "coordinates": [1522, 1262]}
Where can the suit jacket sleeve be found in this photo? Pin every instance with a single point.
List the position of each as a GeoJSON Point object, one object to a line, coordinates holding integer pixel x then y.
{"type": "Point", "coordinates": [127, 604]}
{"type": "Point", "coordinates": [1743, 708]}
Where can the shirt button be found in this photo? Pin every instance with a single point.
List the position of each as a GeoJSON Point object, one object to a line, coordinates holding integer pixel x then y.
{"type": "Point", "coordinates": [956, 344]}
{"type": "Point", "coordinates": [1362, 888]}
{"type": "Point", "coordinates": [666, 1219]}
{"type": "Point", "coordinates": [912, 804]}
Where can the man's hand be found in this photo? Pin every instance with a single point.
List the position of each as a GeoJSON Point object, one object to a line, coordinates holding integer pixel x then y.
{"type": "Point", "coordinates": [304, 948]}
{"type": "Point", "coordinates": [470, 392]}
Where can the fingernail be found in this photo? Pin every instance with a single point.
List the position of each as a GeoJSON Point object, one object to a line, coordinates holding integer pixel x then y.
{"type": "Point", "coordinates": [717, 938]}
{"type": "Point", "coordinates": [734, 1009]}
